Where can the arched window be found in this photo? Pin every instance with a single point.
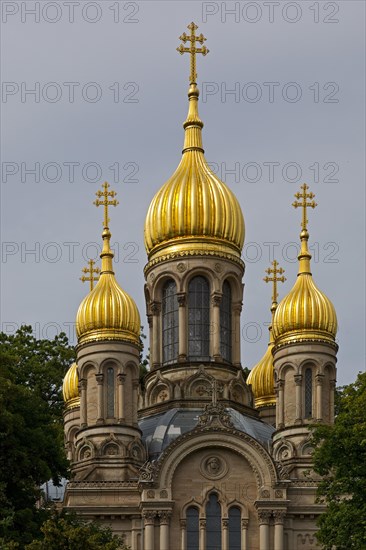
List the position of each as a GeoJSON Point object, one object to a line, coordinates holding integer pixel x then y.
{"type": "Point", "coordinates": [234, 528]}
{"type": "Point", "coordinates": [192, 518]}
{"type": "Point", "coordinates": [198, 318]}
{"type": "Point", "coordinates": [170, 322]}
{"type": "Point", "coordinates": [110, 392]}
{"type": "Point", "coordinates": [225, 322]}
{"type": "Point", "coordinates": [213, 523]}
{"type": "Point", "coordinates": [308, 393]}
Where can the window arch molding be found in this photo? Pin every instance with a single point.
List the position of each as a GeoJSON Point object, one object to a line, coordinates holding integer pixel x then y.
{"type": "Point", "coordinates": [157, 287]}
{"type": "Point", "coordinates": [207, 273]}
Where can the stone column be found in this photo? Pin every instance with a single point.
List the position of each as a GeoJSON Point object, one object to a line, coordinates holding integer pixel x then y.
{"type": "Point", "coordinates": [182, 344]}
{"type": "Point", "coordinates": [279, 516]}
{"type": "Point", "coordinates": [149, 521]}
{"type": "Point", "coordinates": [236, 336]}
{"type": "Point", "coordinates": [164, 517]}
{"type": "Point", "coordinates": [319, 380]}
{"type": "Point", "coordinates": [280, 404]}
{"type": "Point", "coordinates": [332, 387]}
{"type": "Point", "coordinates": [298, 398]}
{"type": "Point", "coordinates": [121, 397]}
{"type": "Point", "coordinates": [244, 534]}
{"type": "Point", "coordinates": [151, 336]}
{"type": "Point", "coordinates": [202, 539]}
{"type": "Point", "coordinates": [135, 387]}
{"type": "Point", "coordinates": [100, 403]}
{"type": "Point", "coordinates": [263, 516]}
{"type": "Point", "coordinates": [225, 533]}
{"type": "Point", "coordinates": [183, 534]}
{"type": "Point", "coordinates": [156, 309]}
{"type": "Point", "coordinates": [83, 415]}
{"type": "Point", "coordinates": [215, 333]}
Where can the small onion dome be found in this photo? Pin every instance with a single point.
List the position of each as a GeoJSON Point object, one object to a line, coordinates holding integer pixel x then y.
{"type": "Point", "coordinates": [194, 212]}
{"type": "Point", "coordinates": [261, 378]}
{"type": "Point", "coordinates": [305, 314]}
{"type": "Point", "coordinates": [70, 387]}
{"type": "Point", "coordinates": [107, 312]}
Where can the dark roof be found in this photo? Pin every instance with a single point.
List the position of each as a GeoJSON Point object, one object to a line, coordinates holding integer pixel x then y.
{"type": "Point", "coordinates": [159, 430]}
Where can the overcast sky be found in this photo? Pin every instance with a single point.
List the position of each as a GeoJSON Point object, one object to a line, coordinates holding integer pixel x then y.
{"type": "Point", "coordinates": [282, 99]}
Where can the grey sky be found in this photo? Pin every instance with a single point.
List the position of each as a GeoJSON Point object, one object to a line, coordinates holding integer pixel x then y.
{"type": "Point", "coordinates": [321, 135]}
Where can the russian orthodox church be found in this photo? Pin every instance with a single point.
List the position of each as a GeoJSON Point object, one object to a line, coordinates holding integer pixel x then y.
{"type": "Point", "coordinates": [194, 456]}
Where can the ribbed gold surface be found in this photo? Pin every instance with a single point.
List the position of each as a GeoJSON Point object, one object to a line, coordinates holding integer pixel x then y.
{"type": "Point", "coordinates": [261, 377]}
{"type": "Point", "coordinates": [305, 314]}
{"type": "Point", "coordinates": [107, 313]}
{"type": "Point", "coordinates": [194, 209]}
{"type": "Point", "coordinates": [70, 387]}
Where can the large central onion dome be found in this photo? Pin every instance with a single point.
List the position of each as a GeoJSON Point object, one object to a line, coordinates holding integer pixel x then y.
{"type": "Point", "coordinates": [194, 212]}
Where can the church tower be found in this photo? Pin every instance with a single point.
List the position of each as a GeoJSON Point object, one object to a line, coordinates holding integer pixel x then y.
{"type": "Point", "coordinates": [101, 388]}
{"type": "Point", "coordinates": [194, 234]}
{"type": "Point", "coordinates": [304, 357]}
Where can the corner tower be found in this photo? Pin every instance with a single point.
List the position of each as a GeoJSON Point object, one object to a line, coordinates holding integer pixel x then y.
{"type": "Point", "coordinates": [106, 445]}
{"type": "Point", "coordinates": [304, 357]}
{"type": "Point", "coordinates": [194, 234]}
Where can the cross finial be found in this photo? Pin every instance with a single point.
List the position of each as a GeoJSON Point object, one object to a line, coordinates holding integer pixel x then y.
{"type": "Point", "coordinates": [304, 204]}
{"type": "Point", "coordinates": [90, 270]}
{"type": "Point", "coordinates": [105, 202]}
{"type": "Point", "coordinates": [192, 49]}
{"type": "Point", "coordinates": [215, 390]}
{"type": "Point", "coordinates": [278, 277]}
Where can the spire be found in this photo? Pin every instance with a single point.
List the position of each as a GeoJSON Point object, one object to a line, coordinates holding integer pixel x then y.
{"type": "Point", "coordinates": [276, 271]}
{"type": "Point", "coordinates": [91, 271]}
{"type": "Point", "coordinates": [193, 124]}
{"type": "Point", "coordinates": [304, 256]}
{"type": "Point", "coordinates": [107, 254]}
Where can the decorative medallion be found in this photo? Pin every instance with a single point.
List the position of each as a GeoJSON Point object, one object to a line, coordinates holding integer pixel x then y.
{"type": "Point", "coordinates": [218, 267]}
{"type": "Point", "coordinates": [213, 467]}
{"type": "Point", "coordinates": [181, 267]}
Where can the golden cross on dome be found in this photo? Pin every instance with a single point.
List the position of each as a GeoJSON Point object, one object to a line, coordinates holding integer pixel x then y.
{"type": "Point", "coordinates": [304, 204]}
{"type": "Point", "coordinates": [278, 277]}
{"type": "Point", "coordinates": [192, 49]}
{"type": "Point", "coordinates": [105, 202]}
{"type": "Point", "coordinates": [91, 270]}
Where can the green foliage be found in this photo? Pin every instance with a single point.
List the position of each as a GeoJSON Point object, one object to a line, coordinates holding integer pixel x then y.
{"type": "Point", "coordinates": [67, 532]}
{"type": "Point", "coordinates": [340, 457]}
{"type": "Point", "coordinates": [31, 433]}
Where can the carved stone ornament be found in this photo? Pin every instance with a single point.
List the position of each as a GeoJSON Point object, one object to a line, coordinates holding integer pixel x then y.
{"type": "Point", "coordinates": [147, 472]}
{"type": "Point", "coordinates": [150, 493]}
{"type": "Point", "coordinates": [181, 267]}
{"type": "Point", "coordinates": [278, 493]}
{"type": "Point", "coordinates": [215, 415]}
{"type": "Point", "coordinates": [164, 493]}
{"type": "Point", "coordinates": [265, 493]}
{"type": "Point", "coordinates": [218, 267]}
{"type": "Point", "coordinates": [213, 467]}
{"type": "Point", "coordinates": [282, 470]}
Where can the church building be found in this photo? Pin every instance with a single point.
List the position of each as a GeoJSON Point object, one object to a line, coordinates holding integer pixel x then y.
{"type": "Point", "coordinates": [195, 456]}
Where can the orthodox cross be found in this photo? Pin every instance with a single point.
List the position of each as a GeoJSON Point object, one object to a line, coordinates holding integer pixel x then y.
{"type": "Point", "coordinates": [304, 204]}
{"type": "Point", "coordinates": [91, 270]}
{"type": "Point", "coordinates": [278, 277]}
{"type": "Point", "coordinates": [105, 202]}
{"type": "Point", "coordinates": [215, 390]}
{"type": "Point", "coordinates": [192, 49]}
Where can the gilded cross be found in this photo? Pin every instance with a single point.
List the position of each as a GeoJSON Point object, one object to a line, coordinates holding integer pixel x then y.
{"type": "Point", "coordinates": [192, 49]}
{"type": "Point", "coordinates": [277, 277]}
{"type": "Point", "coordinates": [91, 271]}
{"type": "Point", "coordinates": [304, 204]}
{"type": "Point", "coordinates": [105, 202]}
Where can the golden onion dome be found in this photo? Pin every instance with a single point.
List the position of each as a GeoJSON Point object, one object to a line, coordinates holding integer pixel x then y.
{"type": "Point", "coordinates": [70, 388]}
{"type": "Point", "coordinates": [107, 312]}
{"type": "Point", "coordinates": [261, 378]}
{"type": "Point", "coordinates": [194, 212]}
{"type": "Point", "coordinates": [305, 313]}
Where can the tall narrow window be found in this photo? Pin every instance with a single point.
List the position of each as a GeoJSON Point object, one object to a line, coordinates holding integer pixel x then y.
{"type": "Point", "coordinates": [225, 322]}
{"type": "Point", "coordinates": [213, 523]}
{"type": "Point", "coordinates": [170, 322]}
{"type": "Point", "coordinates": [198, 318]}
{"type": "Point", "coordinates": [192, 528]}
{"type": "Point", "coordinates": [308, 393]}
{"type": "Point", "coordinates": [234, 528]}
{"type": "Point", "coordinates": [110, 392]}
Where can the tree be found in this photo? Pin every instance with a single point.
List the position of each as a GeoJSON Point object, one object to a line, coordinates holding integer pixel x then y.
{"type": "Point", "coordinates": [67, 532]}
{"type": "Point", "coordinates": [31, 433]}
{"type": "Point", "coordinates": [340, 457]}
